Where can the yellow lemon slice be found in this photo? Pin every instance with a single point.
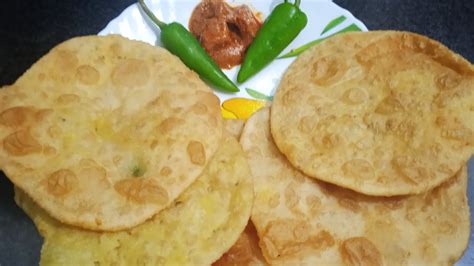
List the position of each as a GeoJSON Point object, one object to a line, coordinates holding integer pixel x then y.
{"type": "Point", "coordinates": [242, 108]}
{"type": "Point", "coordinates": [227, 115]}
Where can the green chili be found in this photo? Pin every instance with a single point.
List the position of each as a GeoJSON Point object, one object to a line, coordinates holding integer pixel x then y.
{"type": "Point", "coordinates": [282, 26]}
{"type": "Point", "coordinates": [180, 42]}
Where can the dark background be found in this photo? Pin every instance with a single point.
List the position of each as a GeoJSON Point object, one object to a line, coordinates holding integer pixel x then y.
{"type": "Point", "coordinates": [29, 28]}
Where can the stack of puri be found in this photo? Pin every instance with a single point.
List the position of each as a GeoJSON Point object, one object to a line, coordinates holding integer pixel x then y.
{"type": "Point", "coordinates": [361, 159]}
{"type": "Point", "coordinates": [118, 154]}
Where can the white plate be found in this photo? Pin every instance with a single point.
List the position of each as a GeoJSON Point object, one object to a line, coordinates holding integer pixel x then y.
{"type": "Point", "coordinates": [320, 12]}
{"type": "Point", "coordinates": [131, 24]}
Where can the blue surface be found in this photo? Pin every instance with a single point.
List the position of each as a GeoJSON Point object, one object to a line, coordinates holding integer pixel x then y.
{"type": "Point", "coordinates": [468, 258]}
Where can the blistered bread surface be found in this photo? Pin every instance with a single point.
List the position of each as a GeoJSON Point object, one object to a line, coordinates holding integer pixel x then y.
{"type": "Point", "coordinates": [105, 132]}
{"type": "Point", "coordinates": [198, 228]}
{"type": "Point", "coordinates": [382, 113]}
{"type": "Point", "coordinates": [302, 221]}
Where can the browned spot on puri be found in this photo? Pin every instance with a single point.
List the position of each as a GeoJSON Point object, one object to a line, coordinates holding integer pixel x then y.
{"type": "Point", "coordinates": [198, 108]}
{"type": "Point", "coordinates": [209, 100]}
{"type": "Point", "coordinates": [94, 172]}
{"type": "Point", "coordinates": [21, 143]}
{"type": "Point", "coordinates": [306, 124]}
{"type": "Point", "coordinates": [142, 190]}
{"type": "Point", "coordinates": [42, 114]}
{"type": "Point", "coordinates": [410, 168]}
{"type": "Point", "coordinates": [405, 129]}
{"type": "Point", "coordinates": [196, 152]}
{"type": "Point", "coordinates": [153, 144]}
{"type": "Point", "coordinates": [349, 204]}
{"type": "Point", "coordinates": [291, 197]}
{"type": "Point", "coordinates": [455, 130]}
{"type": "Point", "coordinates": [288, 237]}
{"type": "Point", "coordinates": [326, 69]}
{"type": "Point", "coordinates": [389, 105]}
{"type": "Point", "coordinates": [163, 100]}
{"type": "Point", "coordinates": [61, 182]}
{"type": "Point", "coordinates": [54, 132]}
{"type": "Point", "coordinates": [358, 168]}
{"type": "Point", "coordinates": [131, 73]}
{"type": "Point", "coordinates": [292, 95]}
{"type": "Point", "coordinates": [48, 150]}
{"type": "Point", "coordinates": [298, 177]}
{"type": "Point", "coordinates": [87, 75]}
{"type": "Point", "coordinates": [170, 123]}
{"type": "Point", "coordinates": [330, 141]}
{"type": "Point", "coordinates": [314, 204]}
{"type": "Point", "coordinates": [355, 96]}
{"type": "Point", "coordinates": [68, 99]}
{"type": "Point", "coordinates": [448, 81]}
{"type": "Point", "coordinates": [16, 116]}
{"type": "Point", "coordinates": [360, 251]}
{"type": "Point", "coordinates": [166, 171]}
{"type": "Point", "coordinates": [66, 60]}
{"type": "Point", "coordinates": [449, 96]}
{"type": "Point", "coordinates": [116, 48]}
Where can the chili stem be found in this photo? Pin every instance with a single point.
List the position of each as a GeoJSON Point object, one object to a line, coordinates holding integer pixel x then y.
{"type": "Point", "coordinates": [297, 3]}
{"type": "Point", "coordinates": [150, 14]}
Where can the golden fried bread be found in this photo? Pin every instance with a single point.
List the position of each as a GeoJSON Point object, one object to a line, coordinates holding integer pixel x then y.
{"type": "Point", "coordinates": [105, 132]}
{"type": "Point", "coordinates": [382, 113]}
{"type": "Point", "coordinates": [234, 126]}
{"type": "Point", "coordinates": [245, 252]}
{"type": "Point", "coordinates": [200, 226]}
{"type": "Point", "coordinates": [302, 221]}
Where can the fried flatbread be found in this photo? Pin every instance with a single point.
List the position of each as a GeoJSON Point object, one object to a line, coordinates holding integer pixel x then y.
{"type": "Point", "coordinates": [302, 221]}
{"type": "Point", "coordinates": [234, 126]}
{"type": "Point", "coordinates": [382, 113]}
{"type": "Point", "coordinates": [104, 132]}
{"type": "Point", "coordinates": [245, 252]}
{"type": "Point", "coordinates": [200, 226]}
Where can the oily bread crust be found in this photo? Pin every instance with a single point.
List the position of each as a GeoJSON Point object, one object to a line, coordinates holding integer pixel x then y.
{"type": "Point", "coordinates": [105, 132]}
{"type": "Point", "coordinates": [382, 113]}
{"type": "Point", "coordinates": [302, 221]}
{"type": "Point", "coordinates": [234, 127]}
{"type": "Point", "coordinates": [245, 251]}
{"type": "Point", "coordinates": [200, 226]}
